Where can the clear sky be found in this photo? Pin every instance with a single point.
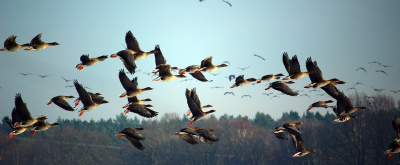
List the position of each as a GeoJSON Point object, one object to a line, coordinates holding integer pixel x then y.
{"type": "Point", "coordinates": [340, 35]}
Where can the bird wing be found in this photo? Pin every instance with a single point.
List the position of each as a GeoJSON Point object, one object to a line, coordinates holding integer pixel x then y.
{"type": "Point", "coordinates": [396, 125]}
{"type": "Point", "coordinates": [331, 90]}
{"type": "Point", "coordinates": [284, 89]}
{"type": "Point", "coordinates": [135, 142]}
{"type": "Point", "coordinates": [128, 60]}
{"type": "Point", "coordinates": [207, 62]}
{"type": "Point", "coordinates": [312, 66]}
{"type": "Point", "coordinates": [164, 70]}
{"type": "Point", "coordinates": [292, 129]}
{"type": "Point", "coordinates": [37, 39]}
{"type": "Point", "coordinates": [280, 135]}
{"type": "Point", "coordinates": [300, 143]}
{"type": "Point", "coordinates": [62, 103]}
{"type": "Point", "coordinates": [199, 76]}
{"type": "Point", "coordinates": [126, 83]}
{"type": "Point", "coordinates": [21, 108]}
{"type": "Point", "coordinates": [131, 42]}
{"type": "Point", "coordinates": [193, 106]}
{"type": "Point", "coordinates": [206, 136]}
{"type": "Point", "coordinates": [195, 97]}
{"type": "Point", "coordinates": [294, 65]}
{"type": "Point", "coordinates": [239, 79]}
{"type": "Point", "coordinates": [188, 138]}
{"type": "Point", "coordinates": [294, 140]}
{"type": "Point", "coordinates": [286, 61]}
{"type": "Point", "coordinates": [142, 111]}
{"type": "Point", "coordinates": [132, 133]}
{"type": "Point", "coordinates": [83, 95]}
{"type": "Point", "coordinates": [85, 58]}
{"type": "Point", "coordinates": [159, 56]}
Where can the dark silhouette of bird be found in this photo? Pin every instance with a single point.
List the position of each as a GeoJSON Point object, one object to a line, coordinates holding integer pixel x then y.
{"type": "Point", "coordinates": [229, 93]}
{"type": "Point", "coordinates": [268, 94]}
{"type": "Point", "coordinates": [186, 80]}
{"type": "Point", "coordinates": [25, 74]}
{"type": "Point", "coordinates": [215, 74]}
{"type": "Point", "coordinates": [244, 68]}
{"type": "Point", "coordinates": [69, 86]}
{"type": "Point", "coordinates": [66, 79]}
{"type": "Point", "coordinates": [226, 62]}
{"type": "Point", "coordinates": [394, 91]}
{"type": "Point", "coordinates": [231, 77]}
{"type": "Point", "coordinates": [352, 88]}
{"type": "Point", "coordinates": [216, 87]}
{"type": "Point", "coordinates": [275, 96]}
{"type": "Point", "coordinates": [385, 65]}
{"type": "Point", "coordinates": [362, 69]}
{"type": "Point", "coordinates": [358, 83]}
{"type": "Point", "coordinates": [305, 95]}
{"type": "Point", "coordinates": [378, 90]}
{"type": "Point", "coordinates": [321, 94]}
{"type": "Point", "coordinates": [227, 3]}
{"type": "Point", "coordinates": [43, 76]}
{"type": "Point", "coordinates": [246, 96]}
{"type": "Point", "coordinates": [314, 90]}
{"type": "Point", "coordinates": [381, 71]}
{"type": "Point", "coordinates": [259, 57]}
{"type": "Point", "coordinates": [373, 62]}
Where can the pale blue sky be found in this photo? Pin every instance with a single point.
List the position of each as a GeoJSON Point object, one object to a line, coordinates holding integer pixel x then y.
{"type": "Point", "coordinates": [341, 35]}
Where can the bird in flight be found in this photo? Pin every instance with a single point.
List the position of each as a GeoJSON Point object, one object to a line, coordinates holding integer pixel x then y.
{"type": "Point", "coordinates": [373, 62]}
{"type": "Point", "coordinates": [378, 90]}
{"type": "Point", "coordinates": [259, 57]}
{"type": "Point", "coordinates": [352, 88]}
{"type": "Point", "coordinates": [244, 68]}
{"type": "Point", "coordinates": [215, 74]}
{"type": "Point", "coordinates": [231, 77]}
{"type": "Point", "coordinates": [275, 96]}
{"type": "Point", "coordinates": [268, 94]}
{"type": "Point", "coordinates": [229, 93]}
{"type": "Point", "coordinates": [186, 80]}
{"type": "Point", "coordinates": [394, 91]}
{"type": "Point", "coordinates": [305, 95]}
{"type": "Point", "coordinates": [43, 76]}
{"type": "Point", "coordinates": [381, 71]}
{"type": "Point", "coordinates": [66, 79]}
{"type": "Point", "coordinates": [362, 68]}
{"type": "Point", "coordinates": [357, 84]}
{"type": "Point", "coordinates": [385, 65]}
{"type": "Point", "coordinates": [25, 74]}
{"type": "Point", "coordinates": [69, 86]}
{"type": "Point", "coordinates": [227, 3]}
{"type": "Point", "coordinates": [246, 96]}
{"type": "Point", "coordinates": [226, 62]}
{"type": "Point", "coordinates": [216, 87]}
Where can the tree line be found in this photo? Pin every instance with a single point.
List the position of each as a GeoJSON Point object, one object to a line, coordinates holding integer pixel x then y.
{"type": "Point", "coordinates": [242, 140]}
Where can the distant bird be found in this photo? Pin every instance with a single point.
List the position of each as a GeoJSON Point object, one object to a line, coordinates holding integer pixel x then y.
{"type": "Point", "coordinates": [246, 96]}
{"type": "Point", "coordinates": [231, 77]}
{"type": "Point", "coordinates": [362, 68]}
{"type": "Point", "coordinates": [240, 81]}
{"type": "Point", "coordinates": [275, 96]}
{"type": "Point", "coordinates": [378, 90]}
{"type": "Point", "coordinates": [317, 80]}
{"type": "Point", "coordinates": [86, 61]}
{"type": "Point", "coordinates": [281, 86]}
{"type": "Point", "coordinates": [193, 102]}
{"type": "Point", "coordinates": [187, 134]}
{"type": "Point", "coordinates": [133, 136]}
{"type": "Point", "coordinates": [369, 97]}
{"type": "Point", "coordinates": [11, 46]}
{"type": "Point", "coordinates": [292, 66]}
{"type": "Point", "coordinates": [373, 62]}
{"type": "Point", "coordinates": [69, 86]}
{"type": "Point", "coordinates": [227, 3]}
{"type": "Point", "coordinates": [314, 90]}
{"type": "Point", "coordinates": [259, 57]}
{"type": "Point", "coordinates": [215, 74]}
{"type": "Point", "coordinates": [298, 143]}
{"type": "Point", "coordinates": [229, 93]}
{"type": "Point", "coordinates": [244, 68]}
{"type": "Point", "coordinates": [43, 76]}
{"type": "Point", "coordinates": [66, 79]}
{"type": "Point", "coordinates": [268, 94]}
{"type": "Point", "coordinates": [42, 126]}
{"type": "Point", "coordinates": [305, 95]}
{"type": "Point", "coordinates": [322, 104]}
{"type": "Point", "coordinates": [358, 84]}
{"type": "Point", "coordinates": [270, 77]}
{"type": "Point", "coordinates": [352, 88]}
{"type": "Point", "coordinates": [25, 74]}
{"type": "Point", "coordinates": [131, 87]}
{"type": "Point", "coordinates": [186, 80]}
{"type": "Point", "coordinates": [37, 43]}
{"type": "Point", "coordinates": [385, 65]}
{"type": "Point", "coordinates": [207, 66]}
{"type": "Point", "coordinates": [394, 91]}
{"type": "Point", "coordinates": [87, 101]}
{"type": "Point", "coordinates": [321, 94]}
{"type": "Point", "coordinates": [226, 62]}
{"type": "Point", "coordinates": [165, 74]}
{"type": "Point", "coordinates": [381, 71]}
{"type": "Point", "coordinates": [216, 87]}
{"type": "Point", "coordinates": [141, 110]}
{"type": "Point", "coordinates": [60, 101]}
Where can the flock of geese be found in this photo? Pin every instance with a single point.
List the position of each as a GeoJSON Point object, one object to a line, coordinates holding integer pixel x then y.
{"type": "Point", "coordinates": [21, 119]}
